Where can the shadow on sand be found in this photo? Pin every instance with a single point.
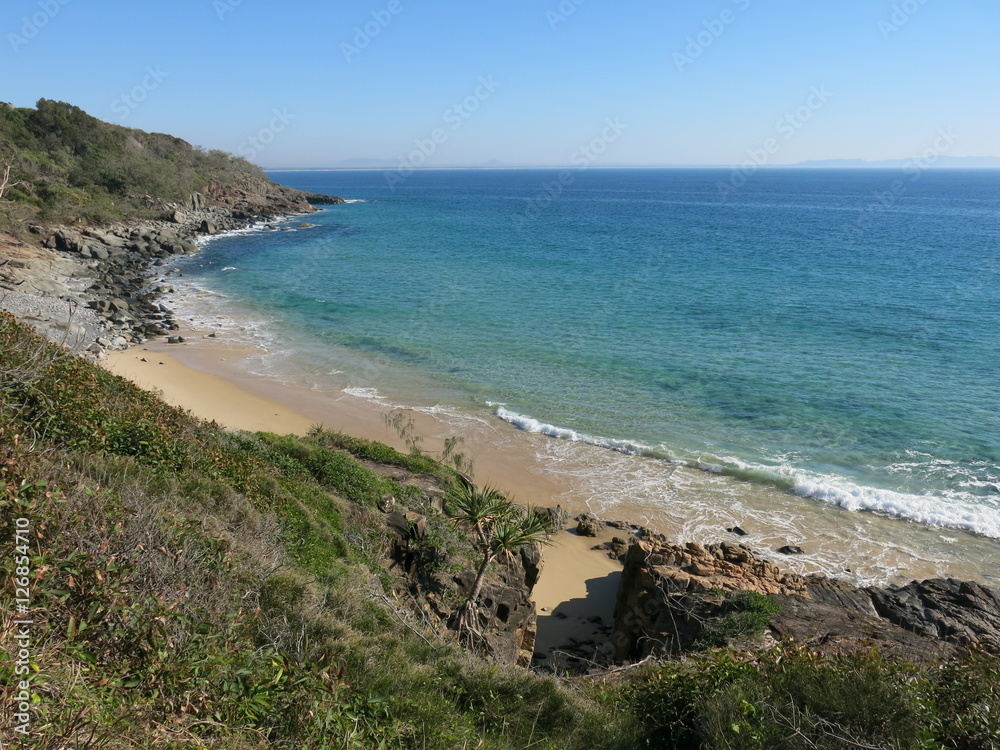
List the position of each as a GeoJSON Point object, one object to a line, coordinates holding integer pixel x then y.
{"type": "Point", "coordinates": [579, 630]}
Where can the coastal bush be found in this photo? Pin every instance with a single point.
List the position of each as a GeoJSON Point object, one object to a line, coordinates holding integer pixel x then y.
{"type": "Point", "coordinates": [337, 470]}
{"type": "Point", "coordinates": [203, 588]}
{"type": "Point", "coordinates": [75, 167]}
{"type": "Point", "coordinates": [785, 697]}
{"type": "Point", "coordinates": [744, 616]}
{"type": "Point", "coordinates": [369, 450]}
{"type": "Point", "coordinates": [966, 700]}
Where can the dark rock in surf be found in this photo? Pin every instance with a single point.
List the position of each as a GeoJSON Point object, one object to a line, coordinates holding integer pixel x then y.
{"type": "Point", "coordinates": [791, 549]}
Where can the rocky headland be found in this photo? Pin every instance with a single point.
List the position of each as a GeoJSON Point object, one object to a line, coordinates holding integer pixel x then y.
{"type": "Point", "coordinates": [92, 287]}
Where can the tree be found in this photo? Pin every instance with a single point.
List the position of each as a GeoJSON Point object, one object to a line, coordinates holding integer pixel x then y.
{"type": "Point", "coordinates": [5, 183]}
{"type": "Point", "coordinates": [501, 528]}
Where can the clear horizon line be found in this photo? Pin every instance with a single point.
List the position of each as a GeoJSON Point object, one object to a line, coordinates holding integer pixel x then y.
{"type": "Point", "coordinates": [798, 165]}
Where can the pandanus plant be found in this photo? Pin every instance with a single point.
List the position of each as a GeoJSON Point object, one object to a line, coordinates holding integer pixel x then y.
{"type": "Point", "coordinates": [501, 529]}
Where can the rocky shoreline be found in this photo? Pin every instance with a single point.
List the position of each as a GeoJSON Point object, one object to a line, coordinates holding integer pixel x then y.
{"type": "Point", "coordinates": [92, 288]}
{"type": "Point", "coordinates": [671, 598]}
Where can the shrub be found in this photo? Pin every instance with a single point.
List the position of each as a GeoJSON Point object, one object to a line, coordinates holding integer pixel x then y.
{"type": "Point", "coordinates": [744, 616]}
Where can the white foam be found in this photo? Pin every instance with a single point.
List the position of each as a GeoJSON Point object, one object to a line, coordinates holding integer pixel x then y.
{"type": "Point", "coordinates": [956, 510]}
{"type": "Point", "coordinates": [370, 394]}
{"type": "Point", "coordinates": [205, 239]}
{"type": "Point", "coordinates": [354, 200]}
{"type": "Point", "coordinates": [529, 424]}
{"type": "Point", "coordinates": [952, 511]}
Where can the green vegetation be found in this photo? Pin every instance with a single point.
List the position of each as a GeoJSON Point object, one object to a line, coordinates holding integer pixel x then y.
{"type": "Point", "coordinates": [65, 166]}
{"type": "Point", "coordinates": [195, 588]}
{"type": "Point", "coordinates": [744, 616]}
{"type": "Point", "coordinates": [200, 588]}
{"type": "Point", "coordinates": [791, 697]}
{"type": "Point", "coordinates": [501, 529]}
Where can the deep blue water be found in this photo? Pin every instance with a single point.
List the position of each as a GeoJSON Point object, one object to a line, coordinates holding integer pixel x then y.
{"type": "Point", "coordinates": [805, 331]}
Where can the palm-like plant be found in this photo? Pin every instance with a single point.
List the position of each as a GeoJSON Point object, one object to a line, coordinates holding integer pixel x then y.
{"type": "Point", "coordinates": [502, 530]}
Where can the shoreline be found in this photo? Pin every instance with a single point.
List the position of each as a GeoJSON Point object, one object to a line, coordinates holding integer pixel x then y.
{"type": "Point", "coordinates": [208, 376]}
{"type": "Point", "coordinates": [578, 583]}
{"type": "Point", "coordinates": [865, 547]}
{"type": "Point", "coordinates": [685, 502]}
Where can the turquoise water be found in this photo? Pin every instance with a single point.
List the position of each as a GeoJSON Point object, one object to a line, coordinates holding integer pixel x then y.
{"type": "Point", "coordinates": [799, 333]}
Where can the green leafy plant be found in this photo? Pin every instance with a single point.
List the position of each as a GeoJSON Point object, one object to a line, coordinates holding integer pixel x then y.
{"type": "Point", "coordinates": [500, 528]}
{"type": "Point", "coordinates": [744, 616]}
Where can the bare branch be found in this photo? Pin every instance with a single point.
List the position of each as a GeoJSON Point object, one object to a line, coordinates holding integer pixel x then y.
{"type": "Point", "coordinates": [5, 183]}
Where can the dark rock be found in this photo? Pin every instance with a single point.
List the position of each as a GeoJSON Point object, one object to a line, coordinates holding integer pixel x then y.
{"type": "Point", "coordinates": [558, 517]}
{"type": "Point", "coordinates": [736, 530]}
{"type": "Point", "coordinates": [791, 549]}
{"type": "Point", "coordinates": [208, 227]}
{"type": "Point", "coordinates": [588, 525]}
{"type": "Point", "coordinates": [506, 618]}
{"type": "Point", "coordinates": [960, 612]}
{"type": "Point", "coordinates": [531, 561]}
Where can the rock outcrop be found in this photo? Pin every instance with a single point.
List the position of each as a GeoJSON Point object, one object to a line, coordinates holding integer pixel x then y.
{"type": "Point", "coordinates": [109, 269]}
{"type": "Point", "coordinates": [506, 614]}
{"type": "Point", "coordinates": [669, 593]}
{"type": "Point", "coordinates": [959, 612]}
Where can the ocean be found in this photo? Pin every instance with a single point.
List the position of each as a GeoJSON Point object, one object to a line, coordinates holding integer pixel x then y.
{"type": "Point", "coordinates": [827, 336]}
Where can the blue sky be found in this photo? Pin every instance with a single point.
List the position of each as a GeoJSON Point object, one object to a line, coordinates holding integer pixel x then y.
{"type": "Point", "coordinates": [523, 82]}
